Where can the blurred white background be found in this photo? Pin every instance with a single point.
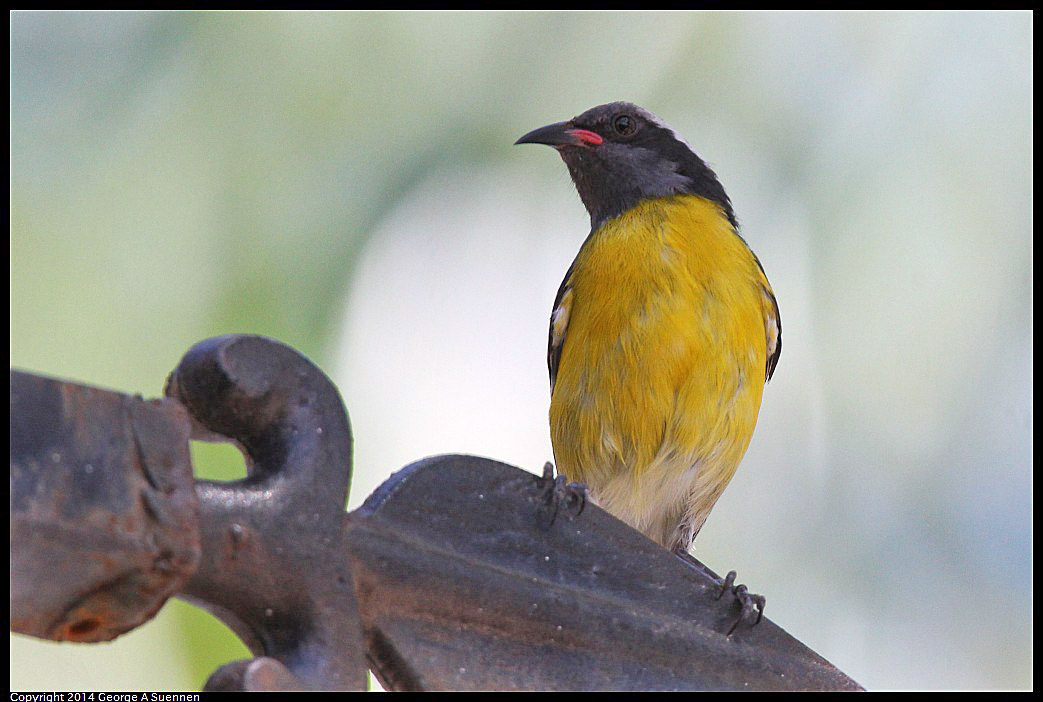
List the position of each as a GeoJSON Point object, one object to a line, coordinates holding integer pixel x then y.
{"type": "Point", "coordinates": [345, 182]}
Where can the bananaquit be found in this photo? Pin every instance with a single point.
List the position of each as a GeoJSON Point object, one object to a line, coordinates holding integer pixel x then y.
{"type": "Point", "coordinates": [663, 331]}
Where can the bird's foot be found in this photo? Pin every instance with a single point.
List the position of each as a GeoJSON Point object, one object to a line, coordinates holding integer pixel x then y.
{"type": "Point", "coordinates": [751, 604]}
{"type": "Point", "coordinates": [748, 602]}
{"type": "Point", "coordinates": [557, 493]}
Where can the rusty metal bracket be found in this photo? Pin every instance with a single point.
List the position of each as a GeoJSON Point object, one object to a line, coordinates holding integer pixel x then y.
{"type": "Point", "coordinates": [459, 573]}
{"type": "Point", "coordinates": [273, 567]}
{"type": "Point", "coordinates": [103, 509]}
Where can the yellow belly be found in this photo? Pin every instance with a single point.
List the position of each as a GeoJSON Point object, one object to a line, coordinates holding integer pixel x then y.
{"type": "Point", "coordinates": [662, 368]}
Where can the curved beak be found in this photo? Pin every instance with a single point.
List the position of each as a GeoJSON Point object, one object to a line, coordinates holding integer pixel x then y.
{"type": "Point", "coordinates": [551, 135]}
{"type": "Point", "coordinates": [561, 134]}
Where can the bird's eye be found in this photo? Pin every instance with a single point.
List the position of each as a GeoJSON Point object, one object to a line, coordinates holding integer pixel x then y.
{"type": "Point", "coordinates": [625, 125]}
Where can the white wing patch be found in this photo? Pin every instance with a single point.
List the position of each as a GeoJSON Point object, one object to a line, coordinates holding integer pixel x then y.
{"type": "Point", "coordinates": [772, 330]}
{"type": "Point", "coordinates": [559, 319]}
{"type": "Point", "coordinates": [559, 324]}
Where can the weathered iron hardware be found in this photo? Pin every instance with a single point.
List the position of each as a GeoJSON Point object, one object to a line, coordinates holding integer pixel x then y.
{"type": "Point", "coordinates": [457, 573]}
{"type": "Point", "coordinates": [103, 509]}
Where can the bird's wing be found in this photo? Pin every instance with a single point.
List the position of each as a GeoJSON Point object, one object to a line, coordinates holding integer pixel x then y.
{"type": "Point", "coordinates": [772, 328]}
{"type": "Point", "coordinates": [559, 324]}
{"type": "Point", "coordinates": [772, 320]}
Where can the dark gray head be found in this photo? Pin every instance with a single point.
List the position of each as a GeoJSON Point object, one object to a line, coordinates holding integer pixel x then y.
{"type": "Point", "coordinates": [620, 154]}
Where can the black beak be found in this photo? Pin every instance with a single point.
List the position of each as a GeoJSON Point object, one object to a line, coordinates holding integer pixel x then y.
{"type": "Point", "coordinates": [552, 135]}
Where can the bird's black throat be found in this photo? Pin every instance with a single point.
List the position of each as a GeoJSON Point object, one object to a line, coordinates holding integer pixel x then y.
{"type": "Point", "coordinates": [613, 178]}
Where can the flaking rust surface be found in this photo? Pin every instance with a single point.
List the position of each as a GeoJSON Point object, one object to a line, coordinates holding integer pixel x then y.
{"type": "Point", "coordinates": [115, 522]}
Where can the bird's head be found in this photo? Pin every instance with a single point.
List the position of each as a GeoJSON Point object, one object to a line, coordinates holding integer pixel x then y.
{"type": "Point", "coordinates": [620, 154]}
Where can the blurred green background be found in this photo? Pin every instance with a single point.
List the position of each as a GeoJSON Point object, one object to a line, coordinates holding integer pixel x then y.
{"type": "Point", "coordinates": [345, 182]}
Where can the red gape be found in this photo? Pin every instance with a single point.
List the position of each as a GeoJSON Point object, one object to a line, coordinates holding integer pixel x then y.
{"type": "Point", "coordinates": [585, 136]}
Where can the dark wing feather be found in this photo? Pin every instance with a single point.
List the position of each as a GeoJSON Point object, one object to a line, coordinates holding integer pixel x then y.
{"type": "Point", "coordinates": [772, 319]}
{"type": "Point", "coordinates": [554, 346]}
{"type": "Point", "coordinates": [773, 356]}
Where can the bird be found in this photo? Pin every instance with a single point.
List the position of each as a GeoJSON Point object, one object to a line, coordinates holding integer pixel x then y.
{"type": "Point", "coordinates": [664, 330]}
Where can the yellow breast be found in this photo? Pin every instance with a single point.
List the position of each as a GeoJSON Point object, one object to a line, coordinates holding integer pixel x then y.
{"type": "Point", "coordinates": [662, 365]}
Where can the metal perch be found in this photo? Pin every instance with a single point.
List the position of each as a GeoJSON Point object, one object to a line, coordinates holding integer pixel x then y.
{"type": "Point", "coordinates": [458, 573]}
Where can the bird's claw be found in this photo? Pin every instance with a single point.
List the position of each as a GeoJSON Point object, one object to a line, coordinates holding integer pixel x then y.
{"type": "Point", "coordinates": [556, 492]}
{"type": "Point", "coordinates": [750, 603]}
